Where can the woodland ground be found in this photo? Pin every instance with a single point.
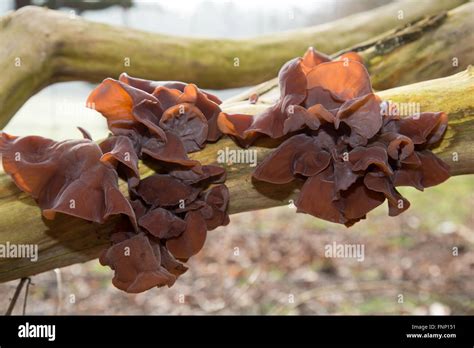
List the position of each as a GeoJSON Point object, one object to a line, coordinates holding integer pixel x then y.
{"type": "Point", "coordinates": [281, 268]}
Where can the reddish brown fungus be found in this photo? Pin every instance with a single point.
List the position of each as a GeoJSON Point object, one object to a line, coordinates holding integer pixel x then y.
{"type": "Point", "coordinates": [349, 152]}
{"type": "Point", "coordinates": [133, 105]}
{"type": "Point", "coordinates": [168, 214]}
{"type": "Point", "coordinates": [162, 122]}
{"type": "Point", "coordinates": [64, 177]}
{"type": "Point", "coordinates": [136, 261]}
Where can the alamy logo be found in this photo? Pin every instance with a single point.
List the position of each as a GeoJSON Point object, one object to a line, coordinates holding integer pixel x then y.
{"type": "Point", "coordinates": [37, 331]}
{"type": "Point", "coordinates": [390, 108]}
{"type": "Point", "coordinates": [23, 251]}
{"type": "Point", "coordinates": [231, 156]}
{"type": "Point", "coordinates": [350, 251]}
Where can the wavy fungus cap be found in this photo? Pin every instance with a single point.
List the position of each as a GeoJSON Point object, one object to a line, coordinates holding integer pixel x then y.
{"type": "Point", "coordinates": [151, 109]}
{"type": "Point", "coordinates": [120, 153]}
{"type": "Point", "coordinates": [66, 177]}
{"type": "Point", "coordinates": [343, 183]}
{"type": "Point", "coordinates": [169, 212]}
{"type": "Point", "coordinates": [312, 90]}
{"type": "Point", "coordinates": [149, 86]}
{"type": "Point", "coordinates": [172, 229]}
{"type": "Point", "coordinates": [137, 262]}
{"type": "Point", "coordinates": [348, 153]}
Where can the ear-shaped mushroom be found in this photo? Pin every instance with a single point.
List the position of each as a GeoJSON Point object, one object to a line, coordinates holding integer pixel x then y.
{"type": "Point", "coordinates": [312, 118]}
{"type": "Point", "coordinates": [399, 147]}
{"type": "Point", "coordinates": [208, 106]}
{"type": "Point", "coordinates": [188, 123]}
{"type": "Point", "coordinates": [292, 82]}
{"type": "Point", "coordinates": [236, 126]}
{"type": "Point", "coordinates": [163, 122]}
{"type": "Point", "coordinates": [115, 100]}
{"type": "Point", "coordinates": [431, 171]}
{"type": "Point", "coordinates": [199, 174]}
{"type": "Point", "coordinates": [64, 177]}
{"type": "Point", "coordinates": [312, 58]}
{"type": "Point", "coordinates": [217, 198]}
{"type": "Point", "coordinates": [162, 223]}
{"type": "Point", "coordinates": [148, 113]}
{"type": "Point", "coordinates": [192, 239]}
{"type": "Point", "coordinates": [316, 197]}
{"type": "Point", "coordinates": [344, 79]}
{"type": "Point", "coordinates": [149, 86]}
{"type": "Point", "coordinates": [170, 151]}
{"type": "Point", "coordinates": [358, 200]}
{"type": "Point", "coordinates": [425, 128]}
{"type": "Point", "coordinates": [161, 190]}
{"type": "Point", "coordinates": [299, 154]}
{"type": "Point", "coordinates": [350, 154]}
{"type": "Point", "coordinates": [169, 262]}
{"type": "Point", "coordinates": [136, 106]}
{"type": "Point", "coordinates": [310, 87]}
{"type": "Point", "coordinates": [137, 265]}
{"type": "Point", "coordinates": [363, 157]}
{"type": "Point", "coordinates": [380, 183]}
{"type": "Point", "coordinates": [270, 122]}
{"type": "Point", "coordinates": [363, 117]}
{"type": "Point", "coordinates": [119, 151]}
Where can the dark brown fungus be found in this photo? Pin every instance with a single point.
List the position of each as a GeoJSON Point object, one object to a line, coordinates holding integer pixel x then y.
{"type": "Point", "coordinates": [169, 151]}
{"type": "Point", "coordinates": [350, 153]}
{"type": "Point", "coordinates": [312, 89]}
{"type": "Point", "coordinates": [119, 152]}
{"type": "Point", "coordinates": [64, 177]}
{"type": "Point", "coordinates": [198, 174]}
{"type": "Point", "coordinates": [116, 100]}
{"type": "Point", "coordinates": [162, 223]}
{"type": "Point", "coordinates": [188, 123]}
{"type": "Point", "coordinates": [136, 105]}
{"type": "Point", "coordinates": [149, 86]}
{"type": "Point", "coordinates": [163, 122]}
{"type": "Point", "coordinates": [137, 264]}
{"type": "Point", "coordinates": [215, 211]}
{"type": "Point", "coordinates": [168, 214]}
{"type": "Point", "coordinates": [234, 125]}
{"type": "Point", "coordinates": [161, 190]}
{"type": "Point", "coordinates": [192, 239]}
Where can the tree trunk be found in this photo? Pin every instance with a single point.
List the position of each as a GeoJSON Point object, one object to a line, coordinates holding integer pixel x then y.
{"type": "Point", "coordinates": [67, 240]}
{"type": "Point", "coordinates": [40, 47]}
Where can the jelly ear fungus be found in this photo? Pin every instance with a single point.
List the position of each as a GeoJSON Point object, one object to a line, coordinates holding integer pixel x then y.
{"type": "Point", "coordinates": [166, 216]}
{"type": "Point", "coordinates": [337, 140]}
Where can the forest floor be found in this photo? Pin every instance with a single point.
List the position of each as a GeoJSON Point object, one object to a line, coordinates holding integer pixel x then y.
{"type": "Point", "coordinates": [273, 262]}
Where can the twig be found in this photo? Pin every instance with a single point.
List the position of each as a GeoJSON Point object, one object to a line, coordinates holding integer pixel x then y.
{"type": "Point", "coordinates": [59, 283]}
{"type": "Point", "coordinates": [26, 294]}
{"type": "Point", "coordinates": [15, 296]}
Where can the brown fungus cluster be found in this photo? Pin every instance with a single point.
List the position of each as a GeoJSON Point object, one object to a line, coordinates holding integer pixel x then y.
{"type": "Point", "coordinates": [339, 139]}
{"type": "Point", "coordinates": [72, 177]}
{"type": "Point", "coordinates": [167, 215]}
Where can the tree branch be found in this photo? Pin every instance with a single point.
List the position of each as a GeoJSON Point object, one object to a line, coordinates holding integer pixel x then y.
{"type": "Point", "coordinates": [67, 240]}
{"type": "Point", "coordinates": [434, 46]}
{"type": "Point", "coordinates": [40, 47]}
